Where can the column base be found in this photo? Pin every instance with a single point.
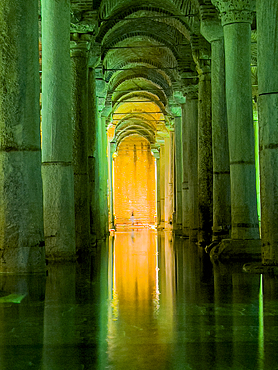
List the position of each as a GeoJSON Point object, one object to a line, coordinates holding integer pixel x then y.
{"type": "Point", "coordinates": [236, 249]}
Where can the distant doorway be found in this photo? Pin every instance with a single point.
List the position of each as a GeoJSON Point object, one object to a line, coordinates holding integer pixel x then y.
{"type": "Point", "coordinates": [134, 183]}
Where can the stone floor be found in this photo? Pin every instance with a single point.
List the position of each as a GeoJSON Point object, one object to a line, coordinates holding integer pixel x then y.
{"type": "Point", "coordinates": [146, 302]}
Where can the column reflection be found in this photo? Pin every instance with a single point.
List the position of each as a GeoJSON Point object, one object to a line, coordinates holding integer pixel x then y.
{"type": "Point", "coordinates": [141, 307]}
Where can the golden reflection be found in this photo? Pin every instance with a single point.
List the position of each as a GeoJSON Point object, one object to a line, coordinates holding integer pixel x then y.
{"type": "Point", "coordinates": [136, 316]}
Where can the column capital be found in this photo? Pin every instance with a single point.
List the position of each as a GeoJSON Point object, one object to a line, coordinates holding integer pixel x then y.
{"type": "Point", "coordinates": [113, 147]}
{"type": "Point", "coordinates": [235, 11]}
{"type": "Point", "coordinates": [201, 52]}
{"type": "Point", "coordinates": [191, 91]}
{"type": "Point", "coordinates": [79, 45]}
{"type": "Point", "coordinates": [155, 149]}
{"type": "Point", "coordinates": [87, 23]}
{"type": "Point", "coordinates": [210, 26]}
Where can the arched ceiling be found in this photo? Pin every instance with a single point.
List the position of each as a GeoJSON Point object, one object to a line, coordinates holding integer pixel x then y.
{"type": "Point", "coordinates": [145, 52]}
{"type": "Point", "coordinates": [146, 56]}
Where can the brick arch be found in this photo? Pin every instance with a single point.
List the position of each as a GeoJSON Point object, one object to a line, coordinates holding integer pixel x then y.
{"type": "Point", "coordinates": [170, 74]}
{"type": "Point", "coordinates": [130, 127]}
{"type": "Point", "coordinates": [156, 91]}
{"type": "Point", "coordinates": [150, 77]}
{"type": "Point", "coordinates": [161, 32]}
{"type": "Point", "coordinates": [113, 11]}
{"type": "Point", "coordinates": [140, 94]}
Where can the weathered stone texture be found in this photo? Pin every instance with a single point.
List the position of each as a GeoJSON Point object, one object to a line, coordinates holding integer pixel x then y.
{"type": "Point", "coordinates": [57, 171]}
{"type": "Point", "coordinates": [205, 159]}
{"type": "Point", "coordinates": [21, 217]}
{"type": "Point", "coordinates": [79, 76]}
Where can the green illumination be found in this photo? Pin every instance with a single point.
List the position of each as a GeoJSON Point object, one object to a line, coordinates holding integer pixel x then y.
{"type": "Point", "coordinates": [257, 161]}
{"type": "Point", "coordinates": [12, 298]}
{"type": "Point", "coordinates": [261, 325]}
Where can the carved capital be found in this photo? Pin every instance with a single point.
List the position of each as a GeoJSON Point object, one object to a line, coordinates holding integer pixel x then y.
{"type": "Point", "coordinates": [235, 11]}
{"type": "Point", "coordinates": [88, 23]}
{"type": "Point", "coordinates": [155, 149]}
{"type": "Point", "coordinates": [210, 27]}
{"type": "Point", "coordinates": [191, 91]}
{"type": "Point", "coordinates": [79, 45]}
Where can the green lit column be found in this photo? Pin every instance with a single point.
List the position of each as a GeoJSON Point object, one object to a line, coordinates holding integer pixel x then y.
{"type": "Point", "coordinates": [103, 178]}
{"type": "Point", "coordinates": [21, 203]}
{"type": "Point", "coordinates": [178, 175]}
{"type": "Point", "coordinates": [185, 188]}
{"type": "Point", "coordinates": [267, 11]}
{"type": "Point", "coordinates": [171, 178]}
{"type": "Point", "coordinates": [236, 19]}
{"type": "Point", "coordinates": [162, 183]}
{"type": "Point", "coordinates": [92, 137]}
{"type": "Point", "coordinates": [205, 165]}
{"type": "Point", "coordinates": [57, 169]}
{"type": "Point", "coordinates": [112, 153]}
{"type": "Point", "coordinates": [191, 110]}
{"type": "Point", "coordinates": [212, 30]}
{"type": "Point", "coordinates": [79, 71]}
{"type": "Point", "coordinates": [156, 155]}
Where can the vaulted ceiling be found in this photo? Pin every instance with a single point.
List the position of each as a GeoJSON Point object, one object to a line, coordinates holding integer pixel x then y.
{"type": "Point", "coordinates": [146, 51]}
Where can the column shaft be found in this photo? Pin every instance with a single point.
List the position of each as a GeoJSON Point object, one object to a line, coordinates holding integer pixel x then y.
{"type": "Point", "coordinates": [162, 185]}
{"type": "Point", "coordinates": [192, 133]}
{"type": "Point", "coordinates": [171, 178]}
{"type": "Point", "coordinates": [185, 194]}
{"type": "Point", "coordinates": [205, 159]}
{"type": "Point", "coordinates": [158, 209]}
{"type": "Point", "coordinates": [79, 62]}
{"type": "Point", "coordinates": [220, 145]}
{"type": "Point", "coordinates": [268, 118]}
{"type": "Point", "coordinates": [241, 135]}
{"type": "Point", "coordinates": [57, 170]}
{"type": "Point", "coordinates": [178, 173]}
{"type": "Point", "coordinates": [167, 168]}
{"type": "Point", "coordinates": [103, 173]}
{"type": "Point", "coordinates": [21, 204]}
{"type": "Point", "coordinates": [92, 137]}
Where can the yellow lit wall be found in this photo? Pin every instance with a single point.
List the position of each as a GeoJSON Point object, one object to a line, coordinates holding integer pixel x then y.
{"type": "Point", "coordinates": [134, 182]}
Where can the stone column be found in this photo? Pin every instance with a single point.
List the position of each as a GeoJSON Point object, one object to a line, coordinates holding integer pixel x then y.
{"type": "Point", "coordinates": [112, 153]}
{"type": "Point", "coordinates": [92, 137]}
{"type": "Point", "coordinates": [191, 110]}
{"type": "Point", "coordinates": [156, 155]}
{"type": "Point", "coordinates": [185, 189]}
{"type": "Point", "coordinates": [21, 208]}
{"type": "Point", "coordinates": [178, 175]}
{"type": "Point", "coordinates": [236, 20]}
{"type": "Point", "coordinates": [57, 170]}
{"type": "Point", "coordinates": [212, 30]}
{"type": "Point", "coordinates": [103, 177]}
{"type": "Point", "coordinates": [94, 58]}
{"type": "Point", "coordinates": [268, 118]}
{"type": "Point", "coordinates": [167, 169]}
{"type": "Point", "coordinates": [171, 178]}
{"type": "Point", "coordinates": [162, 184]}
{"type": "Point", "coordinates": [79, 63]}
{"type": "Point", "coordinates": [204, 153]}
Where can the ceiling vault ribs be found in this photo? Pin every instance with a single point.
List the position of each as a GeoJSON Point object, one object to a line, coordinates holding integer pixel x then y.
{"type": "Point", "coordinates": [146, 58]}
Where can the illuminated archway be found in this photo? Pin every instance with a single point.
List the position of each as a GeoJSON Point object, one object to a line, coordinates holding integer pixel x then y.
{"type": "Point", "coordinates": [134, 183]}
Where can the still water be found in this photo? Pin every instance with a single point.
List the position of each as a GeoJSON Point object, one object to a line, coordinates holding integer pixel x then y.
{"type": "Point", "coordinates": [145, 302]}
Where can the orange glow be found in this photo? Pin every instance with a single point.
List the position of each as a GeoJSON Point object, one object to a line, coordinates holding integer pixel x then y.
{"type": "Point", "coordinates": [135, 255]}
{"type": "Point", "coordinates": [134, 182]}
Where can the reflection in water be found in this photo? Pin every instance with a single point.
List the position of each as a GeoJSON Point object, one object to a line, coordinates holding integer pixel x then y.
{"type": "Point", "coordinates": [144, 302]}
{"type": "Point", "coordinates": [136, 339]}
